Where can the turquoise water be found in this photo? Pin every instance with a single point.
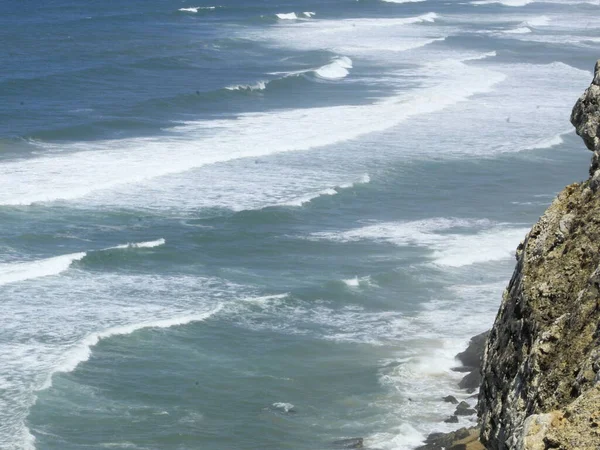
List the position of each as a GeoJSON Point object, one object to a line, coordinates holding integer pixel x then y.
{"type": "Point", "coordinates": [238, 228]}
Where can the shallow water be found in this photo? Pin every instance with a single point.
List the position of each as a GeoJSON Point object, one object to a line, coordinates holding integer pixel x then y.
{"type": "Point", "coordinates": [235, 227]}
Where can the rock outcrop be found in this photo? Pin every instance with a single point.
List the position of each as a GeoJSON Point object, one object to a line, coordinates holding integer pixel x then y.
{"type": "Point", "coordinates": [541, 371]}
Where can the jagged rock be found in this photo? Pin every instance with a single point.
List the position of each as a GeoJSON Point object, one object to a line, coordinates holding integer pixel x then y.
{"type": "Point", "coordinates": [463, 409]}
{"type": "Point", "coordinates": [541, 369]}
{"type": "Point", "coordinates": [472, 380]}
{"type": "Point", "coordinates": [438, 441]}
{"type": "Point", "coordinates": [467, 438]}
{"type": "Point", "coordinates": [586, 118]}
{"type": "Point", "coordinates": [451, 399]}
{"type": "Point", "coordinates": [473, 355]}
{"type": "Point", "coordinates": [451, 419]}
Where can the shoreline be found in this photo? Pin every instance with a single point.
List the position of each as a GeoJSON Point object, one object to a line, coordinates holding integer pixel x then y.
{"type": "Point", "coordinates": [465, 438]}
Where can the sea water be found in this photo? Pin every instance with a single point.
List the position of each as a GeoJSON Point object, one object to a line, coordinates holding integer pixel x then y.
{"type": "Point", "coordinates": [267, 225]}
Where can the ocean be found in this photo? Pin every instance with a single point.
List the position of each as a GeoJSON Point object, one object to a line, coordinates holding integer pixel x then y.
{"type": "Point", "coordinates": [267, 225]}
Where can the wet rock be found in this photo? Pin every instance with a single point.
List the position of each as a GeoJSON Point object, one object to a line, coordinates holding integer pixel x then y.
{"type": "Point", "coordinates": [443, 441]}
{"type": "Point", "coordinates": [451, 419]}
{"type": "Point", "coordinates": [471, 381]}
{"type": "Point", "coordinates": [463, 409]}
{"type": "Point", "coordinates": [349, 443]}
{"type": "Point", "coordinates": [451, 399]}
{"type": "Point", "coordinates": [473, 355]}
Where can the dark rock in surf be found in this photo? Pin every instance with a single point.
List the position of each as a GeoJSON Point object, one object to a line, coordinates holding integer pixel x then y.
{"type": "Point", "coordinates": [349, 443]}
{"type": "Point", "coordinates": [473, 355]}
{"type": "Point", "coordinates": [451, 399]}
{"type": "Point", "coordinates": [463, 409]}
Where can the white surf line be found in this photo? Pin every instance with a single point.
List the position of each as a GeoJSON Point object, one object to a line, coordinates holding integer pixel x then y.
{"type": "Point", "coordinates": [22, 271]}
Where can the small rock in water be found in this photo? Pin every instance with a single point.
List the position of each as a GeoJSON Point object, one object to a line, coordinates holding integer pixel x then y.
{"type": "Point", "coordinates": [451, 399]}
{"type": "Point", "coordinates": [473, 354]}
{"type": "Point", "coordinates": [463, 409]}
{"type": "Point", "coordinates": [451, 419]}
{"type": "Point", "coordinates": [470, 381]}
{"type": "Point", "coordinates": [349, 443]}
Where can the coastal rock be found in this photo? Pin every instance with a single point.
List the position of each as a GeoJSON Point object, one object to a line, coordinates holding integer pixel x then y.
{"type": "Point", "coordinates": [541, 369]}
{"type": "Point", "coordinates": [586, 118]}
{"type": "Point", "coordinates": [451, 399]}
{"type": "Point", "coordinates": [473, 355]}
{"type": "Point", "coordinates": [471, 381]}
{"type": "Point", "coordinates": [349, 443]}
{"type": "Point", "coordinates": [464, 438]}
{"type": "Point", "coordinates": [463, 409]}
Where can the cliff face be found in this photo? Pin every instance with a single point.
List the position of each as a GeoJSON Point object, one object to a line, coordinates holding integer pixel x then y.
{"type": "Point", "coordinates": [541, 371]}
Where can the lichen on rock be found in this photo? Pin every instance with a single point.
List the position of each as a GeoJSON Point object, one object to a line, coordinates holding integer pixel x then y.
{"type": "Point", "coordinates": [541, 369]}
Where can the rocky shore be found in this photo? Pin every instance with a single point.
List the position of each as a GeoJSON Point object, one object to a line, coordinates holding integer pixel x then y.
{"type": "Point", "coordinates": [464, 438]}
{"type": "Point", "coordinates": [538, 369]}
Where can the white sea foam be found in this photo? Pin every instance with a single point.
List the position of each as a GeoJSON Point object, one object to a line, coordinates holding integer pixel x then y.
{"type": "Point", "coordinates": [489, 245]}
{"type": "Point", "coordinates": [519, 3]}
{"type": "Point", "coordinates": [352, 282]}
{"type": "Point", "coordinates": [514, 3]}
{"type": "Point", "coordinates": [422, 371]}
{"type": "Point", "coordinates": [285, 407]}
{"type": "Point", "coordinates": [357, 282]}
{"type": "Point", "coordinates": [480, 57]}
{"type": "Point", "coordinates": [83, 168]}
{"type": "Point", "coordinates": [21, 271]}
{"type": "Point", "coordinates": [307, 198]}
{"type": "Point", "coordinates": [258, 86]}
{"type": "Point", "coordinates": [336, 69]}
{"type": "Point", "coordinates": [149, 244]}
{"type": "Point", "coordinates": [310, 197]}
{"type": "Point", "coordinates": [287, 16]}
{"type": "Point", "coordinates": [54, 322]}
{"type": "Point", "coordinates": [547, 143]}
{"type": "Point", "coordinates": [540, 21]}
{"type": "Point", "coordinates": [485, 241]}
{"type": "Point", "coordinates": [520, 30]}
{"type": "Point", "coordinates": [195, 9]}
{"type": "Point", "coordinates": [367, 38]}
{"type": "Point", "coordinates": [294, 16]}
{"type": "Point", "coordinates": [348, 324]}
{"type": "Point", "coordinates": [83, 349]}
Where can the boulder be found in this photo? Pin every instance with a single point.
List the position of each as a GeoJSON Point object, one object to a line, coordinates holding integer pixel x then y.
{"type": "Point", "coordinates": [451, 399]}
{"type": "Point", "coordinates": [473, 355]}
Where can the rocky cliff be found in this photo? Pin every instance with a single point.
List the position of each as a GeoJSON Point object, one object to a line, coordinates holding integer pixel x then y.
{"type": "Point", "coordinates": [541, 370]}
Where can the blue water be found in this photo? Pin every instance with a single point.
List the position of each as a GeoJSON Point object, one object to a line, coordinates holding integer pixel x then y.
{"type": "Point", "coordinates": [268, 225]}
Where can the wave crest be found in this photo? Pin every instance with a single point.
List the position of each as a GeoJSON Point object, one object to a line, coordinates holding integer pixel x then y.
{"type": "Point", "coordinates": [22, 271]}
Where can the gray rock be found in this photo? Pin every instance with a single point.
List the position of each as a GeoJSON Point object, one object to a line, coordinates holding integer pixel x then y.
{"type": "Point", "coordinates": [463, 409]}
{"type": "Point", "coordinates": [451, 399]}
{"type": "Point", "coordinates": [349, 443]}
{"type": "Point", "coordinates": [540, 365]}
{"type": "Point", "coordinates": [473, 355]}
{"type": "Point", "coordinates": [471, 381]}
{"type": "Point", "coordinates": [451, 419]}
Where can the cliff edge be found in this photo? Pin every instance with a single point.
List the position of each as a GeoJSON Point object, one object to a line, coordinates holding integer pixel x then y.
{"type": "Point", "coordinates": [541, 370]}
